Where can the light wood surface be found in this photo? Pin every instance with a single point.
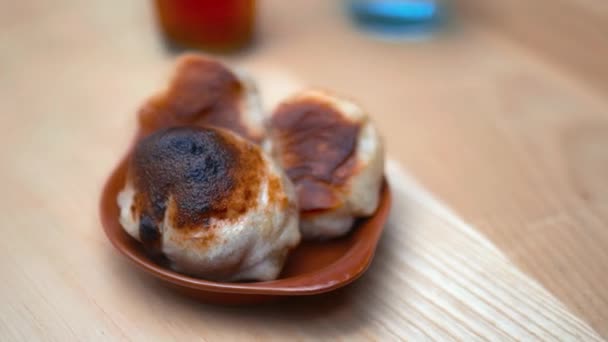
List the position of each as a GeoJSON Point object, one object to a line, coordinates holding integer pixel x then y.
{"type": "Point", "coordinates": [505, 130]}
{"type": "Point", "coordinates": [433, 277]}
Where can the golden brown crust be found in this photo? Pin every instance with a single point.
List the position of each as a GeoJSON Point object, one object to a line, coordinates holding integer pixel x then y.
{"type": "Point", "coordinates": [276, 192]}
{"type": "Point", "coordinates": [203, 92]}
{"type": "Point", "coordinates": [316, 146]}
{"type": "Point", "coordinates": [201, 173]}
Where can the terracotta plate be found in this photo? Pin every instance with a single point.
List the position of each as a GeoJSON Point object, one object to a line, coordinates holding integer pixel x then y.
{"type": "Point", "coordinates": [312, 268]}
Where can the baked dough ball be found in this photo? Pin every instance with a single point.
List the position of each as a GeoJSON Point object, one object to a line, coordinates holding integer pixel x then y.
{"type": "Point", "coordinates": [204, 92]}
{"type": "Point", "coordinates": [334, 156]}
{"type": "Point", "coordinates": [211, 202]}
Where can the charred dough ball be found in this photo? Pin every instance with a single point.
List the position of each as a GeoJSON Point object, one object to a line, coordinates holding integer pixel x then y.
{"type": "Point", "coordinates": [213, 203]}
{"type": "Point", "coordinates": [204, 92]}
{"type": "Point", "coordinates": [334, 156]}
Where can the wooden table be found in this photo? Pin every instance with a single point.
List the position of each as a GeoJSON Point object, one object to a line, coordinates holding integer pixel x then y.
{"type": "Point", "coordinates": [504, 118]}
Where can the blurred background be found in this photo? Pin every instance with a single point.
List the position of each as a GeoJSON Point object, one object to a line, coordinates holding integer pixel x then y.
{"type": "Point", "coordinates": [500, 108]}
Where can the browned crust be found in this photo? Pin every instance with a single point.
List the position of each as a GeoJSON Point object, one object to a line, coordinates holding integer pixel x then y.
{"type": "Point", "coordinates": [203, 92]}
{"type": "Point", "coordinates": [316, 146]}
{"type": "Point", "coordinates": [207, 173]}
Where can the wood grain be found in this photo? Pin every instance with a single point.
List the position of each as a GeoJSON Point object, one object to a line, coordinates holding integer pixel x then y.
{"type": "Point", "coordinates": [572, 35]}
{"type": "Point", "coordinates": [433, 277]}
{"type": "Point", "coordinates": [493, 120]}
{"type": "Point", "coordinates": [510, 137]}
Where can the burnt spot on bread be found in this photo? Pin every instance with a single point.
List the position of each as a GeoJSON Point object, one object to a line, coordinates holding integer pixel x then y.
{"type": "Point", "coordinates": [202, 173]}
{"type": "Point", "coordinates": [203, 92]}
{"type": "Point", "coordinates": [149, 233]}
{"type": "Point", "coordinates": [316, 145]}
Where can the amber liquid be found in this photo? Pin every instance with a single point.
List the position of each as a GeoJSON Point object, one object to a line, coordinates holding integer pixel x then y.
{"type": "Point", "coordinates": [216, 25]}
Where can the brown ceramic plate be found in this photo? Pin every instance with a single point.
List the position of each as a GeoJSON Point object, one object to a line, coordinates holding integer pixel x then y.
{"type": "Point", "coordinates": [312, 268]}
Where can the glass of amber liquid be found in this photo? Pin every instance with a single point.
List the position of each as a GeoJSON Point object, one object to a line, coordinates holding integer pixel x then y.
{"type": "Point", "coordinates": [215, 25]}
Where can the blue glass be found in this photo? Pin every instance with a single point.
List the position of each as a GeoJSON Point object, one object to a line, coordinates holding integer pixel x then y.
{"type": "Point", "coordinates": [395, 19]}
